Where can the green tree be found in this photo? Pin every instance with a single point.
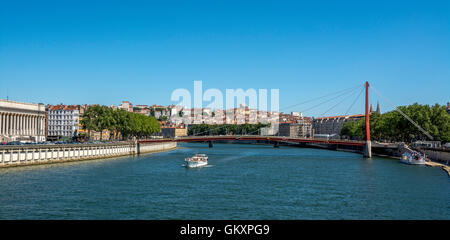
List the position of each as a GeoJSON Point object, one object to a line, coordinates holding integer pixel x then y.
{"type": "Point", "coordinates": [392, 126]}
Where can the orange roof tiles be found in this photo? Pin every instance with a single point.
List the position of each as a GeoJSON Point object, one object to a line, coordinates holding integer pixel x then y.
{"type": "Point", "coordinates": [63, 107]}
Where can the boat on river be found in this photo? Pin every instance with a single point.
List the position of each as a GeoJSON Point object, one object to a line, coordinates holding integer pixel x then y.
{"type": "Point", "coordinates": [198, 160]}
{"type": "Point", "coordinates": [414, 158]}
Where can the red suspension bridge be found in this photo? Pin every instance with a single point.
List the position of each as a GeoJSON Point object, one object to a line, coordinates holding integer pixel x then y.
{"type": "Point", "coordinates": [366, 144]}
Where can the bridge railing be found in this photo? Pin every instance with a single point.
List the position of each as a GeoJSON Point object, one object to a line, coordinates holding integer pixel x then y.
{"type": "Point", "coordinates": [258, 137]}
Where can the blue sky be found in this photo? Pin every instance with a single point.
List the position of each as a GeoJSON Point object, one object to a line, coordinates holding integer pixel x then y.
{"type": "Point", "coordinates": [76, 52]}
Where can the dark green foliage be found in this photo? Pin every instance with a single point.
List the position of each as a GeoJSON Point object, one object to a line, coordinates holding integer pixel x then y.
{"type": "Point", "coordinates": [225, 129]}
{"type": "Point", "coordinates": [128, 124]}
{"type": "Point", "coordinates": [392, 126]}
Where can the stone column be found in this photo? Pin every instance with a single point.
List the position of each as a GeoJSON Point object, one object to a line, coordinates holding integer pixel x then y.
{"type": "Point", "coordinates": [32, 126]}
{"type": "Point", "coordinates": [14, 124]}
{"type": "Point", "coordinates": [22, 125]}
{"type": "Point", "coordinates": [6, 124]}
{"type": "Point", "coordinates": [3, 124]}
{"type": "Point", "coordinates": [10, 124]}
{"type": "Point", "coordinates": [18, 124]}
{"type": "Point", "coordinates": [36, 126]}
{"type": "Point", "coordinates": [41, 127]}
{"type": "Point", "coordinates": [18, 121]}
{"type": "Point", "coordinates": [21, 130]}
{"type": "Point", "coordinates": [2, 121]}
{"type": "Point", "coordinates": [27, 125]}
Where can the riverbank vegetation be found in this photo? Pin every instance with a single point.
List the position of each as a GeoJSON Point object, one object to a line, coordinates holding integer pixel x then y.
{"type": "Point", "coordinates": [120, 123]}
{"type": "Point", "coordinates": [226, 129]}
{"type": "Point", "coordinates": [392, 126]}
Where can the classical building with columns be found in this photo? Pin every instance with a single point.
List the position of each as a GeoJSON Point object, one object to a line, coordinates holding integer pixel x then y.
{"type": "Point", "coordinates": [21, 121]}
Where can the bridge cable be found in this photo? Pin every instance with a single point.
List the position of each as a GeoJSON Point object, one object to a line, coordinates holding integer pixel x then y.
{"type": "Point", "coordinates": [345, 91]}
{"type": "Point", "coordinates": [402, 113]}
{"type": "Point", "coordinates": [326, 95]}
{"type": "Point", "coordinates": [323, 114]}
{"type": "Point", "coordinates": [321, 103]}
{"type": "Point", "coordinates": [351, 106]}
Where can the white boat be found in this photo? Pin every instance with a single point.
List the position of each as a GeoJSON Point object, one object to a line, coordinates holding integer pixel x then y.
{"type": "Point", "coordinates": [413, 158]}
{"type": "Point", "coordinates": [197, 160]}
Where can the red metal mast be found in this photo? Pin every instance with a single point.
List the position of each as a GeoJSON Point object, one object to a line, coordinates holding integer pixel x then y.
{"type": "Point", "coordinates": [368, 146]}
{"type": "Point", "coordinates": [367, 113]}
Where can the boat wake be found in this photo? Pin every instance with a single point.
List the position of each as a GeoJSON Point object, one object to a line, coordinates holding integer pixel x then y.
{"type": "Point", "coordinates": [206, 166]}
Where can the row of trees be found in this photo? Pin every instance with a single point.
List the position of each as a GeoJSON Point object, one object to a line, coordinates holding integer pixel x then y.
{"type": "Point", "coordinates": [119, 122]}
{"type": "Point", "coordinates": [392, 126]}
{"type": "Point", "coordinates": [225, 129]}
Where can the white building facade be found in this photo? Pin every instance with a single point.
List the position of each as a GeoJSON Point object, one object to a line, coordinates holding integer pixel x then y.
{"type": "Point", "coordinates": [22, 121]}
{"type": "Point", "coordinates": [63, 121]}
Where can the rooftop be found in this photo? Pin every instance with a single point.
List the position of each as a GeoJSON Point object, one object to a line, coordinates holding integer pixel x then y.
{"type": "Point", "coordinates": [342, 116]}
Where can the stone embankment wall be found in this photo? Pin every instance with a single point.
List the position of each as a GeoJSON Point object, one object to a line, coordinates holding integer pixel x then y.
{"type": "Point", "coordinates": [438, 155]}
{"type": "Point", "coordinates": [44, 154]}
{"type": "Point", "coordinates": [155, 147]}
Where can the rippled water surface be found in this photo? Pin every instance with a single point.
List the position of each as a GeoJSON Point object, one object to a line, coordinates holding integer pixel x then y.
{"type": "Point", "coordinates": [241, 182]}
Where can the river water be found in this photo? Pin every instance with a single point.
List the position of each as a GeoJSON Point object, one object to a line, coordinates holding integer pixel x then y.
{"type": "Point", "coordinates": [241, 182]}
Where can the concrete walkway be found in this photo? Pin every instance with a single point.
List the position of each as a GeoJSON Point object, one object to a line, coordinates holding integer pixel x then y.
{"type": "Point", "coordinates": [435, 164]}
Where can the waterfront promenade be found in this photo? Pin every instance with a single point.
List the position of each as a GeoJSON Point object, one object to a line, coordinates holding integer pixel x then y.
{"type": "Point", "coordinates": [11, 156]}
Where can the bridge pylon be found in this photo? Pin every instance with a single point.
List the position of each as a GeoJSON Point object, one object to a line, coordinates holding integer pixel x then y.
{"type": "Point", "coordinates": [368, 146]}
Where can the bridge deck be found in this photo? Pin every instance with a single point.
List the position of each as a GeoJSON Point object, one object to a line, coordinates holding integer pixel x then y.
{"type": "Point", "coordinates": [261, 138]}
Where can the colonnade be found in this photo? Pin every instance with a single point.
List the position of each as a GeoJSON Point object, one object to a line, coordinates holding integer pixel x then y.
{"type": "Point", "coordinates": [21, 124]}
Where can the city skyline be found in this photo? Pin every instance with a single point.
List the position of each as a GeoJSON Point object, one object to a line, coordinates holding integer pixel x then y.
{"type": "Point", "coordinates": [141, 52]}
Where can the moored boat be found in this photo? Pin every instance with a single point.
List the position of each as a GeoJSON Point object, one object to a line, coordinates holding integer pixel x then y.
{"type": "Point", "coordinates": [197, 160]}
{"type": "Point", "coordinates": [413, 158]}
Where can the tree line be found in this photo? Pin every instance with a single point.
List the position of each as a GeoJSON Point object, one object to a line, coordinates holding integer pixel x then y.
{"type": "Point", "coordinates": [392, 126]}
{"type": "Point", "coordinates": [226, 129]}
{"type": "Point", "coordinates": [121, 124]}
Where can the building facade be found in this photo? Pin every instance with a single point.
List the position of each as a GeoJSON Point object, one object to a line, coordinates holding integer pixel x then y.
{"type": "Point", "coordinates": [333, 125]}
{"type": "Point", "coordinates": [171, 132]}
{"type": "Point", "coordinates": [289, 129]}
{"type": "Point", "coordinates": [301, 128]}
{"type": "Point", "coordinates": [127, 106]}
{"type": "Point", "coordinates": [63, 121]}
{"type": "Point", "coordinates": [22, 121]}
